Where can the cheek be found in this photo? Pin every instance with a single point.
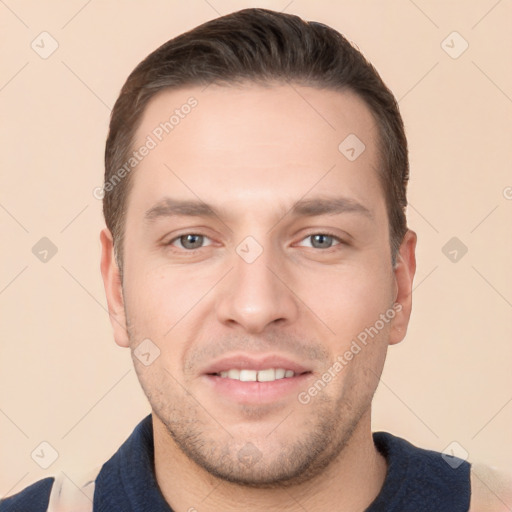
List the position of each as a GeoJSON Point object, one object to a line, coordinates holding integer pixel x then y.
{"type": "Point", "coordinates": [150, 308]}
{"type": "Point", "coordinates": [349, 300]}
{"type": "Point", "coordinates": [161, 296]}
{"type": "Point", "coordinates": [166, 305]}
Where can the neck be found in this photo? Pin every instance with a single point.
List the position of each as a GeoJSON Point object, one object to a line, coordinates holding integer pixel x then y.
{"type": "Point", "coordinates": [351, 482]}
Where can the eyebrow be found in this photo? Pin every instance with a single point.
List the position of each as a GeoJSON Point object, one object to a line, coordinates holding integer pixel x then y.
{"type": "Point", "coordinates": [169, 207]}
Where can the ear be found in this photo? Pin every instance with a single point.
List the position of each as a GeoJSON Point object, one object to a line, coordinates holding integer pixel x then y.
{"type": "Point", "coordinates": [113, 289]}
{"type": "Point", "coordinates": [404, 271]}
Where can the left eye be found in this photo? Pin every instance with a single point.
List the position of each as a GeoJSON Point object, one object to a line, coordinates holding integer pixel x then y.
{"type": "Point", "coordinates": [190, 241]}
{"type": "Point", "coordinates": [322, 240]}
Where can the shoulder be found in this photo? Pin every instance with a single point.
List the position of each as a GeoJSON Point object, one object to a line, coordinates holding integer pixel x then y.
{"type": "Point", "coordinates": [33, 498]}
{"type": "Point", "coordinates": [491, 489]}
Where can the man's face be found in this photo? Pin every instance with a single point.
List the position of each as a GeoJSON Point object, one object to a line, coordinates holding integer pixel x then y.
{"type": "Point", "coordinates": [291, 263]}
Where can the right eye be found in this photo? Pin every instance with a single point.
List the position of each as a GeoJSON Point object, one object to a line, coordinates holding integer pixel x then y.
{"type": "Point", "coordinates": [189, 241]}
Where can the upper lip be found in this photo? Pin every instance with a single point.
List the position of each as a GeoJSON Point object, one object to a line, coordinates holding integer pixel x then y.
{"type": "Point", "coordinates": [254, 362]}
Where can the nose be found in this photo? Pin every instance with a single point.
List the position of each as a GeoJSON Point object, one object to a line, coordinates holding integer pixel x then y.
{"type": "Point", "coordinates": [257, 294]}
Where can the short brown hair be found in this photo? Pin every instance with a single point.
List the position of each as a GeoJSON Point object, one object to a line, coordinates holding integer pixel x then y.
{"type": "Point", "coordinates": [262, 46]}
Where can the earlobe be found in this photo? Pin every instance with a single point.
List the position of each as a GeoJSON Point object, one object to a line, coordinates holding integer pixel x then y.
{"type": "Point", "coordinates": [113, 289]}
{"type": "Point", "coordinates": [404, 271]}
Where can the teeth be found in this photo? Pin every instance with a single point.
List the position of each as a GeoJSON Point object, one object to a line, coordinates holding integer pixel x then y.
{"type": "Point", "coordinates": [280, 373]}
{"type": "Point", "coordinates": [248, 375]}
{"type": "Point", "coordinates": [233, 374]}
{"type": "Point", "coordinates": [268, 375]}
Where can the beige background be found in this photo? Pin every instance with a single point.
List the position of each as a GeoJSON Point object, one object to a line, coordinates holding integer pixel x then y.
{"type": "Point", "coordinates": [64, 381]}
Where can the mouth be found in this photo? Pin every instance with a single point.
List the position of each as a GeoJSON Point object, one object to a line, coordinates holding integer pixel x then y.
{"type": "Point", "coordinates": [267, 375]}
{"type": "Point", "coordinates": [248, 379]}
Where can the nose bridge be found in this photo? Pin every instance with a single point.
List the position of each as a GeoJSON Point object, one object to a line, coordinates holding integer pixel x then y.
{"type": "Point", "coordinates": [253, 296]}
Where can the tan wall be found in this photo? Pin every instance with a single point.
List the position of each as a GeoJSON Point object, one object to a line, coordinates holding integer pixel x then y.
{"type": "Point", "coordinates": [64, 381]}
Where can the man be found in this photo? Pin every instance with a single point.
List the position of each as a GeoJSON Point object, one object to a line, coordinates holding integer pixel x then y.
{"type": "Point", "coordinates": [258, 264]}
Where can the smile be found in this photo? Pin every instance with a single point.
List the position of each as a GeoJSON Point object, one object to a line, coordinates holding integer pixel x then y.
{"type": "Point", "coordinates": [267, 375]}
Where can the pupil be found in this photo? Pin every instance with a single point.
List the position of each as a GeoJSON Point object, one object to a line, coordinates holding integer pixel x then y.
{"type": "Point", "coordinates": [322, 240]}
{"type": "Point", "coordinates": [192, 240]}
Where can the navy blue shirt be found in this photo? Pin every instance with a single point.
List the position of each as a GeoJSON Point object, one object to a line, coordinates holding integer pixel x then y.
{"type": "Point", "coordinates": [417, 480]}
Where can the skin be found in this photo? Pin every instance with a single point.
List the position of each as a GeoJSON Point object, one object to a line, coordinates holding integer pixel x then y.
{"type": "Point", "coordinates": [252, 152]}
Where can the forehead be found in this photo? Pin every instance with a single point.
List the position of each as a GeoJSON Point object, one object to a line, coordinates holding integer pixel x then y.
{"type": "Point", "coordinates": [258, 143]}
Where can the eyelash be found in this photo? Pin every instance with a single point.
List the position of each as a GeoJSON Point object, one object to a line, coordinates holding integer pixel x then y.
{"type": "Point", "coordinates": [325, 233]}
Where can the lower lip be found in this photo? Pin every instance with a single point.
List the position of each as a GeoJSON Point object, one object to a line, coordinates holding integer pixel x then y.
{"type": "Point", "coordinates": [257, 392]}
